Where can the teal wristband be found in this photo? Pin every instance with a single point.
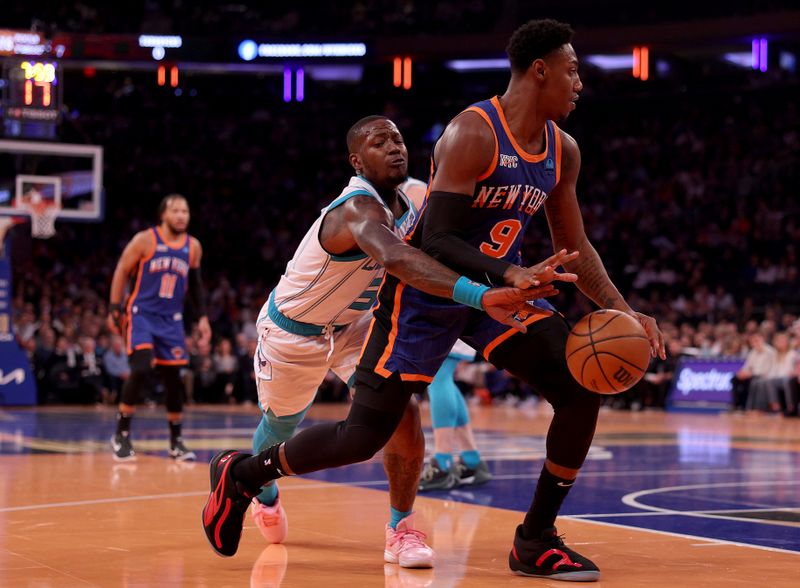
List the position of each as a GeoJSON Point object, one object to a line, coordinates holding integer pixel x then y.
{"type": "Point", "coordinates": [469, 293]}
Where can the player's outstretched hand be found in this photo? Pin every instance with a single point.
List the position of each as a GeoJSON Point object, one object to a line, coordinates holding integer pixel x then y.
{"type": "Point", "coordinates": [510, 305]}
{"type": "Point", "coordinates": [541, 273]}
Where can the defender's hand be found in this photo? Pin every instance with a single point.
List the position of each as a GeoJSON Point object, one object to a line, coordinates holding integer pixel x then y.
{"type": "Point", "coordinates": [510, 305]}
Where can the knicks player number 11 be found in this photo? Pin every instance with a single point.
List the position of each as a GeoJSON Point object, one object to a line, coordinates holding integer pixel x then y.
{"type": "Point", "coordinates": [167, 289]}
{"type": "Point", "coordinates": [503, 235]}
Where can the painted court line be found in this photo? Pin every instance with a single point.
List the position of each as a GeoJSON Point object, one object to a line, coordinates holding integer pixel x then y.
{"type": "Point", "coordinates": [160, 497]}
{"type": "Point", "coordinates": [715, 540]}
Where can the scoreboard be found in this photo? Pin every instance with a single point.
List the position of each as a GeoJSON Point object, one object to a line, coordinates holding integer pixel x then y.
{"type": "Point", "coordinates": [31, 97]}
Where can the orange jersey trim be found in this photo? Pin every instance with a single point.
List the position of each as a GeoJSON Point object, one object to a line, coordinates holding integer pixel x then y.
{"type": "Point", "coordinates": [170, 245]}
{"type": "Point", "coordinates": [140, 272]}
{"type": "Point", "coordinates": [557, 135]}
{"type": "Point", "coordinates": [528, 321]}
{"type": "Point", "coordinates": [416, 378]}
{"type": "Point", "coordinates": [138, 347]}
{"type": "Point", "coordinates": [522, 153]}
{"type": "Point", "coordinates": [490, 170]}
{"type": "Point", "coordinates": [381, 367]}
{"type": "Point", "coordinates": [371, 322]}
{"type": "Point", "coordinates": [170, 361]}
{"type": "Point", "coordinates": [135, 291]}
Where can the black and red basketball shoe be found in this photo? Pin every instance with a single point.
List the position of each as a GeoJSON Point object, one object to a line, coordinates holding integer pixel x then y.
{"type": "Point", "coordinates": [548, 557]}
{"type": "Point", "coordinates": [223, 515]}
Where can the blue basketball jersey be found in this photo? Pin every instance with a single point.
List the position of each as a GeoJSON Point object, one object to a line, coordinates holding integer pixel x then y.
{"type": "Point", "coordinates": [511, 190]}
{"type": "Point", "coordinates": [162, 278]}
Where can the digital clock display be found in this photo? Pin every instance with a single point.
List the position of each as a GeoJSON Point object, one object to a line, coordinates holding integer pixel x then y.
{"type": "Point", "coordinates": [31, 90]}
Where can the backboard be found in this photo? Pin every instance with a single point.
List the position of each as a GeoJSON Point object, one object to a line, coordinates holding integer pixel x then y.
{"type": "Point", "coordinates": [66, 176]}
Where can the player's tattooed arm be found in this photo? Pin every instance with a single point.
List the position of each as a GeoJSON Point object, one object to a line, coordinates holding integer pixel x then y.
{"type": "Point", "coordinates": [362, 224]}
{"type": "Point", "coordinates": [567, 232]}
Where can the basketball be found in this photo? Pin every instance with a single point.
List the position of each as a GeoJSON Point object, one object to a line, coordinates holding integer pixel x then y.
{"type": "Point", "coordinates": [608, 351]}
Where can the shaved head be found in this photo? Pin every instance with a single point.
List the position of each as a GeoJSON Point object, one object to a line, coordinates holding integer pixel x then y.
{"type": "Point", "coordinates": [357, 132]}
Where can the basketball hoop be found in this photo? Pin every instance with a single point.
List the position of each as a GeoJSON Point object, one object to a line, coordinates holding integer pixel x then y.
{"type": "Point", "coordinates": [43, 217]}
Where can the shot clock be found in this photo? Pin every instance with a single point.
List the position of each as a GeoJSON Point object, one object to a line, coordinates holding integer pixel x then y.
{"type": "Point", "coordinates": [31, 97]}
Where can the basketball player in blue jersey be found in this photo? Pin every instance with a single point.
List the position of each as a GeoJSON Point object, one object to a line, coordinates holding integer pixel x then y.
{"type": "Point", "coordinates": [317, 318]}
{"type": "Point", "coordinates": [164, 263]}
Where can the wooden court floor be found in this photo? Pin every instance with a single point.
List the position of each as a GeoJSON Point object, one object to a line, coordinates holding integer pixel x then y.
{"type": "Point", "coordinates": [70, 516]}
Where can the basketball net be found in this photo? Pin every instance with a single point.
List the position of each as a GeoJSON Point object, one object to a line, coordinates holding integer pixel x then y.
{"type": "Point", "coordinates": [43, 218]}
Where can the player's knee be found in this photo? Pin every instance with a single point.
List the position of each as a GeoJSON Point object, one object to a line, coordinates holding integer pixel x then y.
{"type": "Point", "coordinates": [359, 443]}
{"type": "Point", "coordinates": [141, 363]}
{"type": "Point", "coordinates": [366, 431]}
{"type": "Point", "coordinates": [408, 435]}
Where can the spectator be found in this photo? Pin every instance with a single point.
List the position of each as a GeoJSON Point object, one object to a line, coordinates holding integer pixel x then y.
{"type": "Point", "coordinates": [226, 366]}
{"type": "Point", "coordinates": [64, 376]}
{"type": "Point", "coordinates": [779, 383]}
{"type": "Point", "coordinates": [749, 384]}
{"type": "Point", "coordinates": [115, 361]}
{"type": "Point", "coordinates": [205, 376]}
{"type": "Point", "coordinates": [90, 373]}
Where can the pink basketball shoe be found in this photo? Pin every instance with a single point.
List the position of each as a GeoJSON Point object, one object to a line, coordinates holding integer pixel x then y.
{"type": "Point", "coordinates": [271, 521]}
{"type": "Point", "coordinates": [406, 546]}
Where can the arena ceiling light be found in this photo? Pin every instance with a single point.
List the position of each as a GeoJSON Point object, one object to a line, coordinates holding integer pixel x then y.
{"type": "Point", "coordinates": [477, 64]}
{"type": "Point", "coordinates": [611, 62]}
{"type": "Point", "coordinates": [740, 58]}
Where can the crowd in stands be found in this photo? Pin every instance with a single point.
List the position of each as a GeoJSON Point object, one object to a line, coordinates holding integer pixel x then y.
{"type": "Point", "coordinates": [688, 193]}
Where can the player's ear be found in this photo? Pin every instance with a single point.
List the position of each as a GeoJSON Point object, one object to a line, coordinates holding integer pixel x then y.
{"type": "Point", "coordinates": [355, 161]}
{"type": "Point", "coordinates": [538, 68]}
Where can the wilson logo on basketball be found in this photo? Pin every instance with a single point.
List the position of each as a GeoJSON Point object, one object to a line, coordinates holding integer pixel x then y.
{"type": "Point", "coordinates": [623, 376]}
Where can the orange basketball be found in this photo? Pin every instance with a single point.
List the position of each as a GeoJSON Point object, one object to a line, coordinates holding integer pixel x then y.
{"type": "Point", "coordinates": [608, 351]}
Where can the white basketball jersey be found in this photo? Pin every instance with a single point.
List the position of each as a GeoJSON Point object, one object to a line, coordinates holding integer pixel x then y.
{"type": "Point", "coordinates": [330, 290]}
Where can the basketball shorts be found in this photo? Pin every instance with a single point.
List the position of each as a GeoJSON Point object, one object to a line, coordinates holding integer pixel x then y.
{"type": "Point", "coordinates": [289, 367]}
{"type": "Point", "coordinates": [161, 333]}
{"type": "Point", "coordinates": [412, 333]}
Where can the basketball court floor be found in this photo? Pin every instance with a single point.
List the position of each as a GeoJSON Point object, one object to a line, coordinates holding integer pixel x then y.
{"type": "Point", "coordinates": [664, 500]}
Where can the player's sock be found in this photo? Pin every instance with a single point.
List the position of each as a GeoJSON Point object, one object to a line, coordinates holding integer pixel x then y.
{"type": "Point", "coordinates": [550, 493]}
{"type": "Point", "coordinates": [442, 392]}
{"type": "Point", "coordinates": [269, 494]}
{"type": "Point", "coordinates": [397, 516]}
{"type": "Point", "coordinates": [174, 431]}
{"type": "Point", "coordinates": [257, 470]}
{"type": "Point", "coordinates": [471, 458]}
{"type": "Point", "coordinates": [445, 460]}
{"type": "Point", "coordinates": [124, 424]}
